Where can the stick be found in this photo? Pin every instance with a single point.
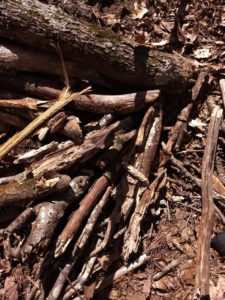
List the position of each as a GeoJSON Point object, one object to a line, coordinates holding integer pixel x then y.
{"type": "Point", "coordinates": [63, 100]}
{"type": "Point", "coordinates": [222, 89]}
{"type": "Point", "coordinates": [78, 216]}
{"type": "Point", "coordinates": [207, 220]}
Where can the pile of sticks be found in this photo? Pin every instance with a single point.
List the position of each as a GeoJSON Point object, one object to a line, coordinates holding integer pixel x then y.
{"type": "Point", "coordinates": [84, 185]}
{"type": "Point", "coordinates": [80, 171]}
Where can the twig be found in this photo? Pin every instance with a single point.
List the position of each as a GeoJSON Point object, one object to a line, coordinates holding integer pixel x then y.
{"type": "Point", "coordinates": [168, 268]}
{"type": "Point", "coordinates": [121, 272]}
{"type": "Point", "coordinates": [132, 235]}
{"type": "Point", "coordinates": [222, 89]}
{"type": "Point", "coordinates": [207, 220]}
{"type": "Point", "coordinates": [81, 242]}
{"type": "Point", "coordinates": [99, 140]}
{"type": "Point", "coordinates": [77, 286]}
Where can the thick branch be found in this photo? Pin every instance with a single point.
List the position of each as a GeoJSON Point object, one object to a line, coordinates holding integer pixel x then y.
{"type": "Point", "coordinates": [98, 54]}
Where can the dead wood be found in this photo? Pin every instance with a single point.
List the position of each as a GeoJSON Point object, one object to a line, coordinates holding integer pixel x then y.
{"type": "Point", "coordinates": [48, 214]}
{"type": "Point", "coordinates": [139, 170]}
{"type": "Point", "coordinates": [73, 130]}
{"type": "Point", "coordinates": [31, 84]}
{"type": "Point", "coordinates": [13, 120]}
{"type": "Point", "coordinates": [132, 235]}
{"type": "Point", "coordinates": [24, 103]}
{"type": "Point", "coordinates": [79, 246]}
{"type": "Point", "coordinates": [20, 136]}
{"type": "Point", "coordinates": [121, 272]}
{"type": "Point", "coordinates": [222, 89]}
{"type": "Point", "coordinates": [78, 216]}
{"type": "Point", "coordinates": [196, 90]}
{"type": "Point", "coordinates": [79, 154]}
{"type": "Point", "coordinates": [207, 219]}
{"type": "Point", "coordinates": [24, 59]}
{"type": "Point", "coordinates": [35, 154]}
{"type": "Point", "coordinates": [19, 193]}
{"type": "Point", "coordinates": [122, 62]}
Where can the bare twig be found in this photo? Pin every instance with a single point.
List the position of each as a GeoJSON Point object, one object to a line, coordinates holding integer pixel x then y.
{"type": "Point", "coordinates": [121, 272]}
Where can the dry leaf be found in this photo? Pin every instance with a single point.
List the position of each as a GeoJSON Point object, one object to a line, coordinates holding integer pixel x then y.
{"type": "Point", "coordinates": [165, 284]}
{"type": "Point", "coordinates": [217, 292]}
{"type": "Point", "coordinates": [203, 53]}
{"type": "Point", "coordinates": [187, 274]}
{"type": "Point", "coordinates": [11, 288]}
{"type": "Point", "coordinates": [139, 10]}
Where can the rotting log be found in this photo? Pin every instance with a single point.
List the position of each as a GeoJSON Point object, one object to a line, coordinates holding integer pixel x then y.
{"type": "Point", "coordinates": [97, 53]}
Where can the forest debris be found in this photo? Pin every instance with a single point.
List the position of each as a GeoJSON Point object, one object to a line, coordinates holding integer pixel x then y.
{"type": "Point", "coordinates": [222, 89]}
{"type": "Point", "coordinates": [48, 216]}
{"type": "Point", "coordinates": [91, 222]}
{"type": "Point", "coordinates": [174, 263]}
{"type": "Point", "coordinates": [115, 277]}
{"type": "Point", "coordinates": [79, 246]}
{"type": "Point", "coordinates": [35, 154]}
{"type": "Point", "coordinates": [132, 235]}
{"type": "Point", "coordinates": [20, 193]}
{"type": "Point", "coordinates": [63, 100]}
{"type": "Point", "coordinates": [207, 220]}
{"type": "Point", "coordinates": [73, 130]}
{"type": "Point", "coordinates": [127, 63]}
{"type": "Point", "coordinates": [142, 202]}
{"type": "Point", "coordinates": [13, 120]}
{"type": "Point", "coordinates": [24, 103]}
{"type": "Point", "coordinates": [140, 161]}
{"type": "Point", "coordinates": [196, 90]}
{"type": "Point", "coordinates": [77, 154]}
{"type": "Point", "coordinates": [78, 216]}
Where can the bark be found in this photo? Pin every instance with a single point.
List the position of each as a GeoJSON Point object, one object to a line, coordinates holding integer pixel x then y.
{"type": "Point", "coordinates": [20, 193]}
{"type": "Point", "coordinates": [97, 53]}
{"type": "Point", "coordinates": [208, 214]}
{"type": "Point", "coordinates": [80, 154]}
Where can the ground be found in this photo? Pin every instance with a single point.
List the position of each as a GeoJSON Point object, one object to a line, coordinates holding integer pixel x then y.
{"type": "Point", "coordinates": [170, 228]}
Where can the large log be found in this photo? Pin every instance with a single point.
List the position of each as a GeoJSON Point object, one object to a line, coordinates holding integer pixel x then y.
{"type": "Point", "coordinates": [98, 54]}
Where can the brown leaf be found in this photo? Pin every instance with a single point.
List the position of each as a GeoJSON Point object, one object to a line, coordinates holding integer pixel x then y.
{"type": "Point", "coordinates": [218, 186]}
{"type": "Point", "coordinates": [139, 10]}
{"type": "Point", "coordinates": [11, 288]}
{"type": "Point", "coordinates": [187, 274]}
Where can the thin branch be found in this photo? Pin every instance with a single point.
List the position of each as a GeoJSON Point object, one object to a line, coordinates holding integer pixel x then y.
{"type": "Point", "coordinates": [207, 220]}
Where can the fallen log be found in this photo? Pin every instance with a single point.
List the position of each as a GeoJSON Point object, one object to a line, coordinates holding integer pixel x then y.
{"type": "Point", "coordinates": [97, 53]}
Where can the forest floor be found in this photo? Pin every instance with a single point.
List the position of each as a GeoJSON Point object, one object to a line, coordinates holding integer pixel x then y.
{"type": "Point", "coordinates": [170, 229]}
{"type": "Point", "coordinates": [194, 29]}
